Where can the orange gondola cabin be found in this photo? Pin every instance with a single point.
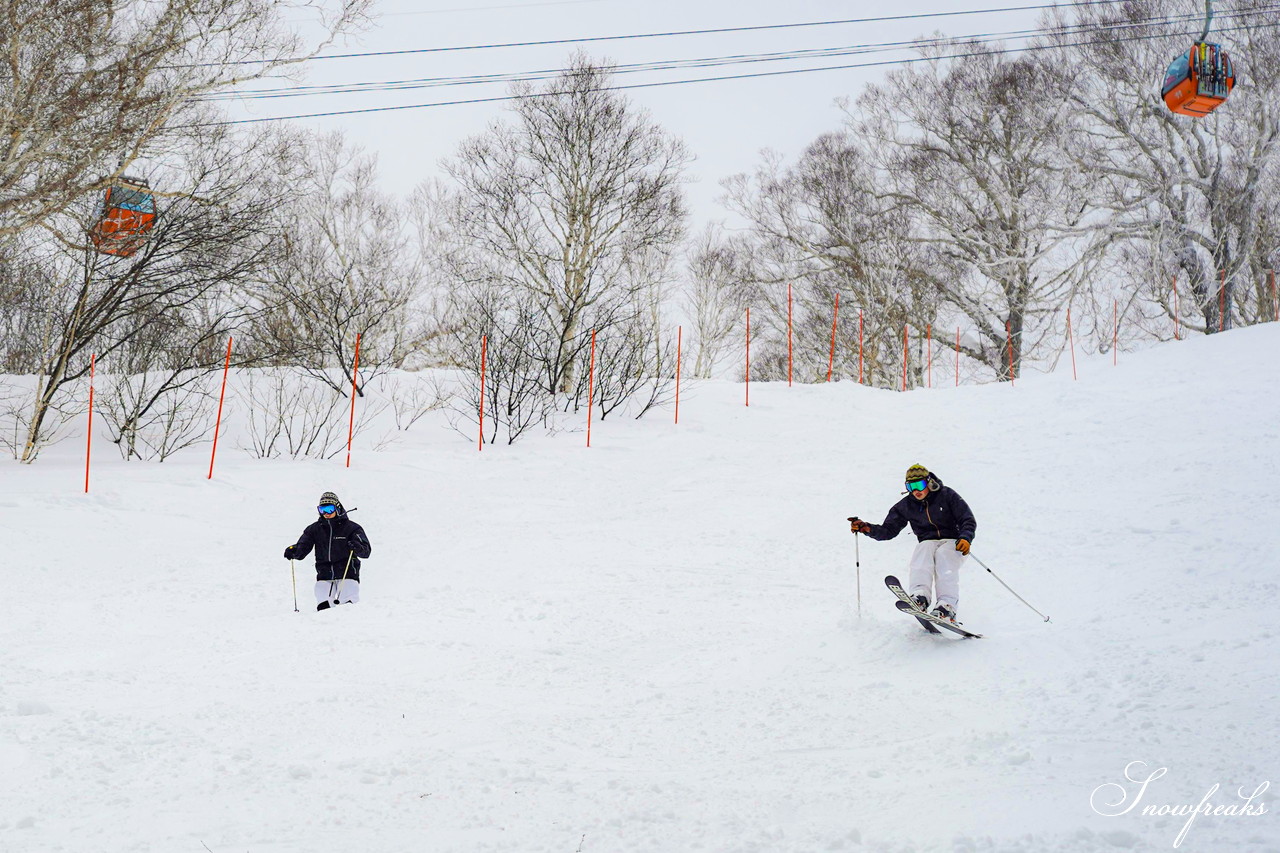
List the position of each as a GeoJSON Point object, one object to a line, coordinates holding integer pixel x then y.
{"type": "Point", "coordinates": [128, 213]}
{"type": "Point", "coordinates": [1199, 81]}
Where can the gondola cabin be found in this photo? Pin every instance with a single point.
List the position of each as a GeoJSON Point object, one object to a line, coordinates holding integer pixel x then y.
{"type": "Point", "coordinates": [1198, 81]}
{"type": "Point", "coordinates": [128, 213]}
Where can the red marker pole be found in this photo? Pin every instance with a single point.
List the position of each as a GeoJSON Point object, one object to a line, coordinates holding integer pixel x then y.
{"type": "Point", "coordinates": [788, 335]}
{"type": "Point", "coordinates": [835, 318]}
{"type": "Point", "coordinates": [484, 357]}
{"type": "Point", "coordinates": [217, 424]}
{"type": "Point", "coordinates": [679, 344]}
{"type": "Point", "coordinates": [1073, 344]}
{"type": "Point", "coordinates": [591, 385]}
{"type": "Point", "coordinates": [748, 375]}
{"type": "Point", "coordinates": [93, 361]}
{"type": "Point", "coordinates": [351, 424]}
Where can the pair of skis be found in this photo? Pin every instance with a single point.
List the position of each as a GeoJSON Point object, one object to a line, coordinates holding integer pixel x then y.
{"type": "Point", "coordinates": [927, 620]}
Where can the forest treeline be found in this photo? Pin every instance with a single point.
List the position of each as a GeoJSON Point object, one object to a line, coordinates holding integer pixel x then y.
{"type": "Point", "coordinates": [975, 188]}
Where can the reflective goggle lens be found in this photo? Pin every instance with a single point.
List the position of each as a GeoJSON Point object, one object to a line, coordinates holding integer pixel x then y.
{"type": "Point", "coordinates": [918, 485]}
{"type": "Point", "coordinates": [327, 508]}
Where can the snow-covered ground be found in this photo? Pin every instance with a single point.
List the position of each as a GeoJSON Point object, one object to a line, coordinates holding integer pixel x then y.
{"type": "Point", "coordinates": [654, 644]}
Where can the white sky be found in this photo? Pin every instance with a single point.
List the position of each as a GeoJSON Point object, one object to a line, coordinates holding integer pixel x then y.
{"type": "Point", "coordinates": [725, 124]}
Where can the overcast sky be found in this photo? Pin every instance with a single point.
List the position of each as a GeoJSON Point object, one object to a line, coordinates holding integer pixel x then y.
{"type": "Point", "coordinates": [725, 124]}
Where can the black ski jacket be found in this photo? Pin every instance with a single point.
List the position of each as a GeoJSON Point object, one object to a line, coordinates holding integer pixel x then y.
{"type": "Point", "coordinates": [941, 515]}
{"type": "Point", "coordinates": [335, 540]}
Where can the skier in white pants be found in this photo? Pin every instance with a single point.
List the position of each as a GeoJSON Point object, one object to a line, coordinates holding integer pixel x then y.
{"type": "Point", "coordinates": [340, 544]}
{"type": "Point", "coordinates": [945, 526]}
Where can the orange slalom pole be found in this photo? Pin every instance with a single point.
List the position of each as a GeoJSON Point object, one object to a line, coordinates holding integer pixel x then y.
{"type": "Point", "coordinates": [88, 447]}
{"type": "Point", "coordinates": [748, 374]}
{"type": "Point", "coordinates": [217, 424]}
{"type": "Point", "coordinates": [351, 424]}
{"type": "Point", "coordinates": [591, 385]}
{"type": "Point", "coordinates": [484, 357]}
{"type": "Point", "coordinates": [835, 318]}
{"type": "Point", "coordinates": [679, 342]}
{"type": "Point", "coordinates": [1073, 344]}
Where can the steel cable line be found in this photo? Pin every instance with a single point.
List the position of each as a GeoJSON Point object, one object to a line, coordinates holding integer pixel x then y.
{"type": "Point", "coordinates": [668, 34]}
{"type": "Point", "coordinates": [705, 62]}
{"type": "Point", "coordinates": [759, 74]}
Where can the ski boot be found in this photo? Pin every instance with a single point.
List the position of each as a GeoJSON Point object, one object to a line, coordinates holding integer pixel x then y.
{"type": "Point", "coordinates": [945, 611]}
{"type": "Point", "coordinates": [921, 602]}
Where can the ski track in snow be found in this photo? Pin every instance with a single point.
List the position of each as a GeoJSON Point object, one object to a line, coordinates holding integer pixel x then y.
{"type": "Point", "coordinates": [653, 645]}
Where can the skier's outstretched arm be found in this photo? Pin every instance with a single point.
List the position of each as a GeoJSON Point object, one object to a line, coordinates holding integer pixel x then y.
{"type": "Point", "coordinates": [300, 549]}
{"type": "Point", "coordinates": [892, 526]}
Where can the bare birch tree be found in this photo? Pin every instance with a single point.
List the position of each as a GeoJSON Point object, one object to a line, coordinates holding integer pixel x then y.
{"type": "Point", "coordinates": [205, 248]}
{"type": "Point", "coordinates": [89, 86]}
{"type": "Point", "coordinates": [1194, 198]}
{"type": "Point", "coordinates": [972, 152]}
{"type": "Point", "coordinates": [824, 226]}
{"type": "Point", "coordinates": [347, 267]}
{"type": "Point", "coordinates": [558, 203]}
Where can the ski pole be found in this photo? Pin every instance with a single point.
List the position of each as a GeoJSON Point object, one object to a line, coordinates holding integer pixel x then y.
{"type": "Point", "coordinates": [857, 563]}
{"type": "Point", "coordinates": [345, 569]}
{"type": "Point", "coordinates": [1006, 586]}
{"type": "Point", "coordinates": [294, 573]}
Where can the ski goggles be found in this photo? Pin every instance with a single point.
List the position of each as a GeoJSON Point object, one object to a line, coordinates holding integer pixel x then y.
{"type": "Point", "coordinates": [325, 509]}
{"type": "Point", "coordinates": [918, 485]}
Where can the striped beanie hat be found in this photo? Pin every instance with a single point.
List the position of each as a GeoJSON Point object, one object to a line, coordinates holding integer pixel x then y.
{"type": "Point", "coordinates": [917, 472]}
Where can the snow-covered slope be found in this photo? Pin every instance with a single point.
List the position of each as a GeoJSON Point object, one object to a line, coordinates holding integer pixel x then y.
{"type": "Point", "coordinates": [654, 644]}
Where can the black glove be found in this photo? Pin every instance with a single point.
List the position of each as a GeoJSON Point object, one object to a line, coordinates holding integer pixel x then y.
{"type": "Point", "coordinates": [288, 553]}
{"type": "Point", "coordinates": [356, 543]}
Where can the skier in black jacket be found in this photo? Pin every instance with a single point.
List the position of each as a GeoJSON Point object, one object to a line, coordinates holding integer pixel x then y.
{"type": "Point", "coordinates": [945, 526]}
{"type": "Point", "coordinates": [340, 544]}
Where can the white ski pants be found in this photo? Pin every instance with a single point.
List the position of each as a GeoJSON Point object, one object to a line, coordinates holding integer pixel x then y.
{"type": "Point", "coordinates": [935, 564]}
{"type": "Point", "coordinates": [345, 591]}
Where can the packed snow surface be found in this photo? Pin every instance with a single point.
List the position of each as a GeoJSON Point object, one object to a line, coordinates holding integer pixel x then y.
{"type": "Point", "coordinates": [655, 644]}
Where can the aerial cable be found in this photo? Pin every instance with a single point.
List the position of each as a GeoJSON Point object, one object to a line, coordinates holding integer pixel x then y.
{"type": "Point", "coordinates": [664, 65]}
{"type": "Point", "coordinates": [671, 33]}
{"type": "Point", "coordinates": [785, 72]}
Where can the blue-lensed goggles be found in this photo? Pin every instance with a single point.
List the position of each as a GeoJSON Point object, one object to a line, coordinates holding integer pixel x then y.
{"type": "Point", "coordinates": [325, 509]}
{"type": "Point", "coordinates": [918, 485]}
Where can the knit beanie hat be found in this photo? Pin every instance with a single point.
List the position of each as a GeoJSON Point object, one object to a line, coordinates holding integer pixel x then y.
{"type": "Point", "coordinates": [330, 498]}
{"type": "Point", "coordinates": [917, 472]}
